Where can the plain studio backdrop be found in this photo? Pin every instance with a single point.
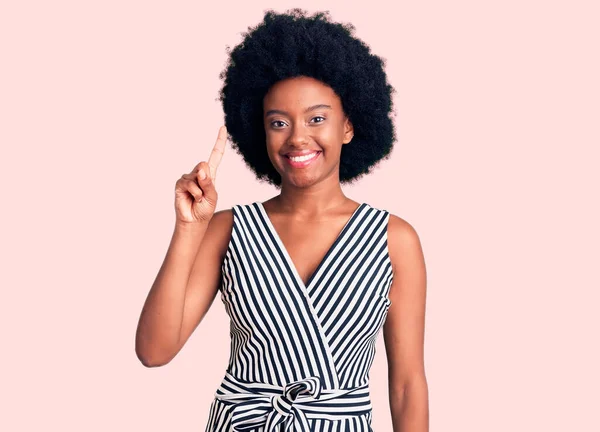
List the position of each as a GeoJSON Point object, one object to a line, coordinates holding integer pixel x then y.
{"type": "Point", "coordinates": [105, 104]}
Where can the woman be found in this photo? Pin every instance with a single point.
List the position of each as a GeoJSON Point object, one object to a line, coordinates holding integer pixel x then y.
{"type": "Point", "coordinates": [309, 277]}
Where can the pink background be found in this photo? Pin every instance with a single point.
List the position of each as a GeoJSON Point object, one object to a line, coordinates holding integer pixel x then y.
{"type": "Point", "coordinates": [103, 105]}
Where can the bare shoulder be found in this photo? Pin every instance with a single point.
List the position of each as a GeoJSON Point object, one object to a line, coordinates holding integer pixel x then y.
{"type": "Point", "coordinates": [219, 230]}
{"type": "Point", "coordinates": [222, 219]}
{"type": "Point", "coordinates": [404, 244]}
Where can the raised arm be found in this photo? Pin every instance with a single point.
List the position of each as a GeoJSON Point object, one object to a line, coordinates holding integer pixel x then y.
{"type": "Point", "coordinates": [189, 277]}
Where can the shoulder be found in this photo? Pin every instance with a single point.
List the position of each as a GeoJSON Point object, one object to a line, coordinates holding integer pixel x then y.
{"type": "Point", "coordinates": [404, 244]}
{"type": "Point", "coordinates": [222, 218]}
{"type": "Point", "coordinates": [221, 224]}
{"type": "Point", "coordinates": [218, 232]}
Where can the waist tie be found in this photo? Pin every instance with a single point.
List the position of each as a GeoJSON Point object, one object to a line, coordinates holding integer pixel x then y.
{"type": "Point", "coordinates": [260, 404]}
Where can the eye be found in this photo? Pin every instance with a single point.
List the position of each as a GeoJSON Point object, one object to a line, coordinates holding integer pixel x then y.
{"type": "Point", "coordinates": [273, 123]}
{"type": "Point", "coordinates": [318, 117]}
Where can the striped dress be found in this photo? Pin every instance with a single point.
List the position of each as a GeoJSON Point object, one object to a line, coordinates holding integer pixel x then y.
{"type": "Point", "coordinates": [301, 353]}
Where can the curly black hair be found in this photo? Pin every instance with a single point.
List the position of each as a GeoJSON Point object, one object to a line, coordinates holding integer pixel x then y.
{"type": "Point", "coordinates": [294, 44]}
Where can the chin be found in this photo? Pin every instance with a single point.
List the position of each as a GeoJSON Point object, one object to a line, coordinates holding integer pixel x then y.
{"type": "Point", "coordinates": [301, 181]}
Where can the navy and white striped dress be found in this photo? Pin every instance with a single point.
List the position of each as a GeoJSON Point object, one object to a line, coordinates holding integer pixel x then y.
{"type": "Point", "coordinates": [301, 353]}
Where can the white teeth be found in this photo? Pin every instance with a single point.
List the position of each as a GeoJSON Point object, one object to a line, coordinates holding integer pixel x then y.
{"type": "Point", "coordinates": [303, 158]}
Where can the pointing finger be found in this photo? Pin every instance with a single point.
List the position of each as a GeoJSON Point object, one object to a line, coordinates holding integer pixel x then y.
{"type": "Point", "coordinates": [217, 152]}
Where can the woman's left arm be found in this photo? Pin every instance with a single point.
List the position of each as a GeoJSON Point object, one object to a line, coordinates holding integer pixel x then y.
{"type": "Point", "coordinates": [404, 330]}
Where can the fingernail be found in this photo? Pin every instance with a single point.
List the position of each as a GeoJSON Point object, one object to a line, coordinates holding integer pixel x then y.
{"type": "Point", "coordinates": [202, 174]}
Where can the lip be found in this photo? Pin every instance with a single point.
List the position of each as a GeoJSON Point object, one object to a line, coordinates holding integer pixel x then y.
{"type": "Point", "coordinates": [305, 163]}
{"type": "Point", "coordinates": [300, 152]}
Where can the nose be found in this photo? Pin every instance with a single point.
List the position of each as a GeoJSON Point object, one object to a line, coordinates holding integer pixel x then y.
{"type": "Point", "coordinates": [298, 136]}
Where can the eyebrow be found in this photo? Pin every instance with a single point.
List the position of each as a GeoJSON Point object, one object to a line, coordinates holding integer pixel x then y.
{"type": "Point", "coordinates": [310, 108]}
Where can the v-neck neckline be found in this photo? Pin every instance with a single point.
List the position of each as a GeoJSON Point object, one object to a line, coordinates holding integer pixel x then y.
{"type": "Point", "coordinates": [288, 257]}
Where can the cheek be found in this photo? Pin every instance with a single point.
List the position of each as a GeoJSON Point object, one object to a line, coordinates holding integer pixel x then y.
{"type": "Point", "coordinates": [273, 144]}
{"type": "Point", "coordinates": [329, 137]}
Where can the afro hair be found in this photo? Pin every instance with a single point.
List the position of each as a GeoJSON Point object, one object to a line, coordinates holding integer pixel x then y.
{"type": "Point", "coordinates": [294, 44]}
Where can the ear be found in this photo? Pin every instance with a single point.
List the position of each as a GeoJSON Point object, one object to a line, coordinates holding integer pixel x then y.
{"type": "Point", "coordinates": [348, 131]}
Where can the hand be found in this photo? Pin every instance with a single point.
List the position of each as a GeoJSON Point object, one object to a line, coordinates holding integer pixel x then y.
{"type": "Point", "coordinates": [196, 197]}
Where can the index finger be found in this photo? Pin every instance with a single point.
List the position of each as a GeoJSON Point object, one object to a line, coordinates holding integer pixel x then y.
{"type": "Point", "coordinates": [217, 152]}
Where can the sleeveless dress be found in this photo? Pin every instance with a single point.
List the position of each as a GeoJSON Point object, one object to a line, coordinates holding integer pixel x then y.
{"type": "Point", "coordinates": [301, 354]}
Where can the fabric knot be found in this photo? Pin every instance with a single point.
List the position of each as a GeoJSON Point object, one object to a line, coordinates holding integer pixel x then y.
{"type": "Point", "coordinates": [284, 403]}
{"type": "Point", "coordinates": [272, 410]}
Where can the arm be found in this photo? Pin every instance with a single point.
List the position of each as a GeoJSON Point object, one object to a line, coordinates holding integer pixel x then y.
{"type": "Point", "coordinates": [183, 290]}
{"type": "Point", "coordinates": [404, 330]}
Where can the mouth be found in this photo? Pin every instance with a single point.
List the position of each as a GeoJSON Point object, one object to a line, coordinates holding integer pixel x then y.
{"type": "Point", "coordinates": [302, 161]}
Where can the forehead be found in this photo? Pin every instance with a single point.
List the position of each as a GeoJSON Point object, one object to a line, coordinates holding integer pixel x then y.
{"type": "Point", "coordinates": [300, 92]}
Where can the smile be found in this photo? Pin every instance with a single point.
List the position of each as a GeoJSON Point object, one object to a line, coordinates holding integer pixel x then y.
{"type": "Point", "coordinates": [302, 161]}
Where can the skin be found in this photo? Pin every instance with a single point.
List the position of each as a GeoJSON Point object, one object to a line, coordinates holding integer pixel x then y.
{"type": "Point", "coordinates": [312, 197]}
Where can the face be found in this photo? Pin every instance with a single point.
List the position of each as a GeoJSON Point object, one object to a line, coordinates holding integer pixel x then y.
{"type": "Point", "coordinates": [303, 116]}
